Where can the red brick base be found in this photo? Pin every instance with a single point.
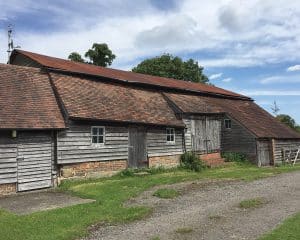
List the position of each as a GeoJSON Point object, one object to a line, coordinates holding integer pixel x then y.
{"type": "Point", "coordinates": [8, 188]}
{"type": "Point", "coordinates": [92, 169]}
{"type": "Point", "coordinates": [212, 159]}
{"type": "Point", "coordinates": [164, 161]}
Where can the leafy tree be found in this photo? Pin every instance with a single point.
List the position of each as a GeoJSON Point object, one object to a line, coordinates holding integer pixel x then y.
{"type": "Point", "coordinates": [169, 66]}
{"type": "Point", "coordinates": [76, 57]}
{"type": "Point", "coordinates": [286, 119]}
{"type": "Point", "coordinates": [99, 55]}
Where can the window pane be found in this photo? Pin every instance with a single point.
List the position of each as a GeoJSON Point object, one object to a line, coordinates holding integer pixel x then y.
{"type": "Point", "coordinates": [94, 131]}
{"type": "Point", "coordinates": [100, 139]}
{"type": "Point", "coordinates": [94, 139]}
{"type": "Point", "coordinates": [100, 131]}
{"type": "Point", "coordinates": [168, 138]}
{"type": "Point", "coordinates": [172, 138]}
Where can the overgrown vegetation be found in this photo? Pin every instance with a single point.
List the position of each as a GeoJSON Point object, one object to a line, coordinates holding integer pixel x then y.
{"type": "Point", "coordinates": [110, 195]}
{"type": "Point", "coordinates": [288, 230]}
{"type": "Point", "coordinates": [191, 161]}
{"type": "Point", "coordinates": [184, 230]}
{"type": "Point", "coordinates": [166, 193]}
{"type": "Point", "coordinates": [234, 157]}
{"type": "Point", "coordinates": [252, 203]}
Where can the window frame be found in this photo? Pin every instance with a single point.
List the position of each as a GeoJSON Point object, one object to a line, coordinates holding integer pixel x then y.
{"type": "Point", "coordinates": [97, 135]}
{"type": "Point", "coordinates": [170, 134]}
{"type": "Point", "coordinates": [225, 123]}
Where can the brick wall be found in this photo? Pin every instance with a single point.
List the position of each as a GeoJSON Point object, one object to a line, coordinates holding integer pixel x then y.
{"type": "Point", "coordinates": [92, 169]}
{"type": "Point", "coordinates": [8, 188]}
{"type": "Point", "coordinates": [164, 161]}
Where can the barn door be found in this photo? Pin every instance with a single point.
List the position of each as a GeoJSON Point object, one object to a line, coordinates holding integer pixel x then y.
{"type": "Point", "coordinates": [206, 135]}
{"type": "Point", "coordinates": [34, 162]}
{"type": "Point", "coordinates": [137, 153]}
{"type": "Point", "coordinates": [263, 152]}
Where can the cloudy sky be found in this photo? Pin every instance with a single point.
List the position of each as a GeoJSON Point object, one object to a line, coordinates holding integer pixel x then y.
{"type": "Point", "coordinates": [248, 46]}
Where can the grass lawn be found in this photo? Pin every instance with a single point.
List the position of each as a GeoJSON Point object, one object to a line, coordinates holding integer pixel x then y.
{"type": "Point", "coordinates": [110, 194]}
{"type": "Point", "coordinates": [252, 203]}
{"type": "Point", "coordinates": [288, 230]}
{"type": "Point", "coordinates": [166, 193]}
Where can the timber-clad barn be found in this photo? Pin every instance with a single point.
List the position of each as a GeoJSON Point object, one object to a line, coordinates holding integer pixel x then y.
{"type": "Point", "coordinates": [62, 119]}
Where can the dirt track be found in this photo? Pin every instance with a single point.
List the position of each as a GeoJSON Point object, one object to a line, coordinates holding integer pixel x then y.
{"type": "Point", "coordinates": [211, 211]}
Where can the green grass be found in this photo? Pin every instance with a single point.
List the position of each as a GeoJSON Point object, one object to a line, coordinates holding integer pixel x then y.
{"type": "Point", "coordinates": [288, 230]}
{"type": "Point", "coordinates": [110, 194]}
{"type": "Point", "coordinates": [166, 193]}
{"type": "Point", "coordinates": [184, 230]}
{"type": "Point", "coordinates": [252, 203]}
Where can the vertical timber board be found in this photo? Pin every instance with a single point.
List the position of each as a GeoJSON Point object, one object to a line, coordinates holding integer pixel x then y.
{"type": "Point", "coordinates": [34, 161]}
{"type": "Point", "coordinates": [264, 152]}
{"type": "Point", "coordinates": [198, 135]}
{"type": "Point", "coordinates": [137, 156]}
{"type": "Point", "coordinates": [213, 134]}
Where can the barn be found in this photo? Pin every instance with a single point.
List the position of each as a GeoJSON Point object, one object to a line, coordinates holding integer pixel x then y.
{"type": "Point", "coordinates": [62, 119]}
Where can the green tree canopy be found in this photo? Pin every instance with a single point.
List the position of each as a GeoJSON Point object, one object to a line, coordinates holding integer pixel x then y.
{"type": "Point", "coordinates": [286, 119]}
{"type": "Point", "coordinates": [76, 57]}
{"type": "Point", "coordinates": [169, 66]}
{"type": "Point", "coordinates": [99, 55]}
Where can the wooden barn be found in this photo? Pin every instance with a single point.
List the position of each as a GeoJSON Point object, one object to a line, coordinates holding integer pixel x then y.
{"type": "Point", "coordinates": [62, 119]}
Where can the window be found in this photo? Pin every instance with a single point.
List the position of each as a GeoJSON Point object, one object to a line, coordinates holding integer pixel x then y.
{"type": "Point", "coordinates": [227, 123]}
{"type": "Point", "coordinates": [97, 134]}
{"type": "Point", "coordinates": [170, 135]}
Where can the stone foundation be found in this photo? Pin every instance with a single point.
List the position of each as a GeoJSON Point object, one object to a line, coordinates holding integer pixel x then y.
{"type": "Point", "coordinates": [8, 188]}
{"type": "Point", "coordinates": [92, 169]}
{"type": "Point", "coordinates": [164, 161]}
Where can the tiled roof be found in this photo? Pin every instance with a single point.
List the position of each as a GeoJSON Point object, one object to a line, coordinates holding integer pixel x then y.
{"type": "Point", "coordinates": [75, 67]}
{"type": "Point", "coordinates": [254, 118]}
{"type": "Point", "coordinates": [27, 100]}
{"type": "Point", "coordinates": [88, 99]}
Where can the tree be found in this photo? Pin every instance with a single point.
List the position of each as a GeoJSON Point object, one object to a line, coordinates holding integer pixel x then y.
{"type": "Point", "coordinates": [169, 66]}
{"type": "Point", "coordinates": [99, 55]}
{"type": "Point", "coordinates": [76, 57]}
{"type": "Point", "coordinates": [286, 119]}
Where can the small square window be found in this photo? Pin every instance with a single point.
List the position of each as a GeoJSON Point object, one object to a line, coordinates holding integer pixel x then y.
{"type": "Point", "coordinates": [227, 123]}
{"type": "Point", "coordinates": [170, 132]}
{"type": "Point", "coordinates": [97, 135]}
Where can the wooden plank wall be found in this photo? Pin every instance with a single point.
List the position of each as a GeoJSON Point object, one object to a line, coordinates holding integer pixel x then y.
{"type": "Point", "coordinates": [238, 139]}
{"type": "Point", "coordinates": [157, 143]}
{"type": "Point", "coordinates": [74, 145]}
{"type": "Point", "coordinates": [280, 144]}
{"type": "Point", "coordinates": [188, 134]}
{"type": "Point", "coordinates": [8, 159]}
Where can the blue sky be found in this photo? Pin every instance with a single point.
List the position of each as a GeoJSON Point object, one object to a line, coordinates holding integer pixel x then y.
{"type": "Point", "coordinates": [251, 47]}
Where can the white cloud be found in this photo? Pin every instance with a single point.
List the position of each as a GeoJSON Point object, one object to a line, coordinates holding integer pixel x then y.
{"type": "Point", "coordinates": [293, 68]}
{"type": "Point", "coordinates": [227, 80]}
{"type": "Point", "coordinates": [215, 76]}
{"type": "Point", "coordinates": [280, 79]}
{"type": "Point", "coordinates": [235, 33]}
{"type": "Point", "coordinates": [270, 92]}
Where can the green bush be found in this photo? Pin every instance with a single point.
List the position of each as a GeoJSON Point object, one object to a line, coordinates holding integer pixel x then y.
{"type": "Point", "coordinates": [128, 172]}
{"type": "Point", "coordinates": [234, 157]}
{"type": "Point", "coordinates": [190, 160]}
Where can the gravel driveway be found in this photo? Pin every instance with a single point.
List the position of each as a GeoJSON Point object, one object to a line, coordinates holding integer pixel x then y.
{"type": "Point", "coordinates": [210, 210]}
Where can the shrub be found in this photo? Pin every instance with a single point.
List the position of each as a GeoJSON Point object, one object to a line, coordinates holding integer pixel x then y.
{"type": "Point", "coordinates": [128, 172]}
{"type": "Point", "coordinates": [234, 157]}
{"type": "Point", "coordinates": [190, 160]}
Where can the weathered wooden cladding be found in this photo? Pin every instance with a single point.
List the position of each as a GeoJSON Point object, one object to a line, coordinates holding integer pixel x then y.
{"type": "Point", "coordinates": [74, 145]}
{"type": "Point", "coordinates": [238, 139]}
{"type": "Point", "coordinates": [157, 144]}
{"type": "Point", "coordinates": [279, 145]}
{"type": "Point", "coordinates": [8, 159]}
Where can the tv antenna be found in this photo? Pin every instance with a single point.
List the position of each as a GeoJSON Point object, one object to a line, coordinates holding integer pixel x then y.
{"type": "Point", "coordinates": [11, 46]}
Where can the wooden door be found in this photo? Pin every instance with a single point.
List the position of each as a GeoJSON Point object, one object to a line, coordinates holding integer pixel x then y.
{"type": "Point", "coordinates": [206, 134]}
{"type": "Point", "coordinates": [137, 153]}
{"type": "Point", "coordinates": [34, 162]}
{"type": "Point", "coordinates": [263, 153]}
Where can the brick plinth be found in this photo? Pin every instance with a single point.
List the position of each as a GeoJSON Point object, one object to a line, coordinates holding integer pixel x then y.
{"type": "Point", "coordinates": [92, 169]}
{"type": "Point", "coordinates": [164, 161]}
{"type": "Point", "coordinates": [8, 188]}
{"type": "Point", "coordinates": [212, 159]}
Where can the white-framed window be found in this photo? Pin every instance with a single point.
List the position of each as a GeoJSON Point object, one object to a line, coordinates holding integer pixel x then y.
{"type": "Point", "coordinates": [97, 135]}
{"type": "Point", "coordinates": [227, 123]}
{"type": "Point", "coordinates": [170, 134]}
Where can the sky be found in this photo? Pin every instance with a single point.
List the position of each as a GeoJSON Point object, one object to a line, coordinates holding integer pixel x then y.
{"type": "Point", "coordinates": [247, 46]}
